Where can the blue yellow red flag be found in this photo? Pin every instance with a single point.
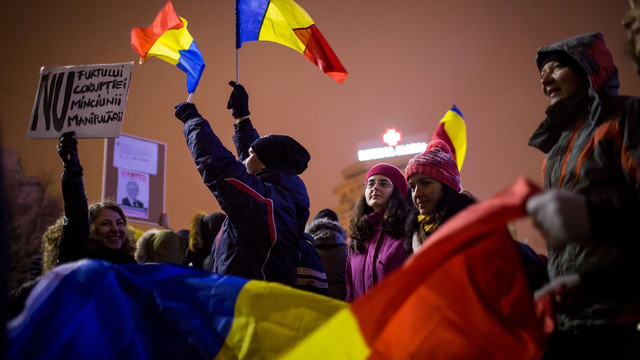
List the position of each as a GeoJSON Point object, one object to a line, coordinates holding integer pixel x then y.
{"type": "Point", "coordinates": [286, 23]}
{"type": "Point", "coordinates": [93, 309]}
{"type": "Point", "coordinates": [452, 130]}
{"type": "Point", "coordinates": [168, 38]}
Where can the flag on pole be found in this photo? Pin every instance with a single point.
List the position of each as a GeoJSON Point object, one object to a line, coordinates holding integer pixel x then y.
{"type": "Point", "coordinates": [169, 39]}
{"type": "Point", "coordinates": [453, 131]}
{"type": "Point", "coordinates": [286, 23]}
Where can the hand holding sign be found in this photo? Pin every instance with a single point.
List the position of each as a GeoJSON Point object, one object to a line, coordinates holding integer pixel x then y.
{"type": "Point", "coordinates": [68, 152]}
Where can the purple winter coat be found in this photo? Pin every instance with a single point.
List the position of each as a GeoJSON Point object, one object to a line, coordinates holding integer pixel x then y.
{"type": "Point", "coordinates": [383, 255]}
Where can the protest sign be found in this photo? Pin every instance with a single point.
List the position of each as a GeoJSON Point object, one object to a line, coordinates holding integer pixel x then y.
{"type": "Point", "coordinates": [135, 176]}
{"type": "Point", "coordinates": [87, 99]}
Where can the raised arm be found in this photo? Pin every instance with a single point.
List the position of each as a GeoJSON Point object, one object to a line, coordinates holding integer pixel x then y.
{"type": "Point", "coordinates": [75, 231]}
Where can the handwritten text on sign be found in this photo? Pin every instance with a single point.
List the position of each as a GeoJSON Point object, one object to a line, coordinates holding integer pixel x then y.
{"type": "Point", "coordinates": [87, 99]}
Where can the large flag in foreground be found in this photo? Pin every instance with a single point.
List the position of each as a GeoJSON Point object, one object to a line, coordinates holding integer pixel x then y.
{"type": "Point", "coordinates": [92, 309]}
{"type": "Point", "coordinates": [463, 295]}
{"type": "Point", "coordinates": [169, 39]}
{"type": "Point", "coordinates": [452, 130]}
{"type": "Point", "coordinates": [286, 23]}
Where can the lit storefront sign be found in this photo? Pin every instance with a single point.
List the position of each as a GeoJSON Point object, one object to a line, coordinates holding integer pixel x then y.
{"type": "Point", "coordinates": [392, 139]}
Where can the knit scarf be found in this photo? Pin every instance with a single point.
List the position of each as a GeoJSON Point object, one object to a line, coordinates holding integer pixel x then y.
{"type": "Point", "coordinates": [428, 223]}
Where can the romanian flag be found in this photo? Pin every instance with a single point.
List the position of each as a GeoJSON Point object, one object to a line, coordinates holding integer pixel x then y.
{"type": "Point", "coordinates": [453, 131]}
{"type": "Point", "coordinates": [463, 295]}
{"type": "Point", "coordinates": [93, 309]}
{"type": "Point", "coordinates": [286, 23]}
{"type": "Point", "coordinates": [169, 39]}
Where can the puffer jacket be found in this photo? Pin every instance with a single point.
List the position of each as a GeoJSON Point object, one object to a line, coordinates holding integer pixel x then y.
{"type": "Point", "coordinates": [383, 255]}
{"type": "Point", "coordinates": [266, 213]}
{"type": "Point", "coordinates": [595, 152]}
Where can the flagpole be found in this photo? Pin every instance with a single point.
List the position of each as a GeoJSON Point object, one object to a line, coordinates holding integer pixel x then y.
{"type": "Point", "coordinates": [237, 43]}
{"type": "Point", "coordinates": [190, 96]}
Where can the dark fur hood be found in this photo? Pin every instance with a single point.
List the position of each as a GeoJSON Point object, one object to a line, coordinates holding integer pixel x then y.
{"type": "Point", "coordinates": [327, 232]}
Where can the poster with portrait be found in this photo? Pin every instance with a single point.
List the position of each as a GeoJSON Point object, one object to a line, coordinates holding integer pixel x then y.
{"type": "Point", "coordinates": [133, 193]}
{"type": "Point", "coordinates": [135, 177]}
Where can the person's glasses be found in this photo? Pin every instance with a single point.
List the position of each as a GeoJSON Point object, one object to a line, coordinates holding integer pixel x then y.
{"type": "Point", "coordinates": [383, 184]}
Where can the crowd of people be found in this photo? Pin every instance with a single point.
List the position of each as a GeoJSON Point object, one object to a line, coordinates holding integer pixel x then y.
{"type": "Point", "coordinates": [590, 139]}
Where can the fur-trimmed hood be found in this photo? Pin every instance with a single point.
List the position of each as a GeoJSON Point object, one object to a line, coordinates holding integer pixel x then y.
{"type": "Point", "coordinates": [327, 232]}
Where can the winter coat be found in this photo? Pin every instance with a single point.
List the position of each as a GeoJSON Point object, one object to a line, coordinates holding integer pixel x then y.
{"type": "Point", "coordinates": [383, 254]}
{"type": "Point", "coordinates": [310, 275]}
{"type": "Point", "coordinates": [330, 242]}
{"type": "Point", "coordinates": [595, 152]}
{"type": "Point", "coordinates": [266, 213]}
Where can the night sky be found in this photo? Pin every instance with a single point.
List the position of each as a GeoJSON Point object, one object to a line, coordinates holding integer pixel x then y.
{"type": "Point", "coordinates": [408, 63]}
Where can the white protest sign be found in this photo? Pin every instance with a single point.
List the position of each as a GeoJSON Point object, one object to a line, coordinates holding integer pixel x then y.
{"type": "Point", "coordinates": [135, 154]}
{"type": "Point", "coordinates": [87, 99]}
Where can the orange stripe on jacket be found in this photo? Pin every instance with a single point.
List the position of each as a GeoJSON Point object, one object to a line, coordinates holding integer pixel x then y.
{"type": "Point", "coordinates": [608, 131]}
{"type": "Point", "coordinates": [568, 152]}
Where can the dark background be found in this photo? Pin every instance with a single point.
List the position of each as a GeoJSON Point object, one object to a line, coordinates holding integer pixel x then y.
{"type": "Point", "coordinates": [408, 62]}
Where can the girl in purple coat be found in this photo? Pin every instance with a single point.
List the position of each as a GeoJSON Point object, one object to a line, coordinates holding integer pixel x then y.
{"type": "Point", "coordinates": [376, 230]}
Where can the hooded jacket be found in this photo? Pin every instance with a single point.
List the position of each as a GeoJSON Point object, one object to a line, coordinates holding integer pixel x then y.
{"type": "Point", "coordinates": [266, 212]}
{"type": "Point", "coordinates": [330, 242]}
{"type": "Point", "coordinates": [593, 149]}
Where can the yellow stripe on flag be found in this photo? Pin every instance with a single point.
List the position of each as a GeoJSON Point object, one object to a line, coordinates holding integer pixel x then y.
{"type": "Point", "coordinates": [282, 17]}
{"type": "Point", "coordinates": [271, 317]}
{"type": "Point", "coordinates": [167, 47]}
{"type": "Point", "coordinates": [456, 129]}
{"type": "Point", "coordinates": [339, 338]}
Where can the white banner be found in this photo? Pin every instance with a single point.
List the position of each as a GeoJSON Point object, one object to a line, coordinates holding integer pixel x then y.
{"type": "Point", "coordinates": [87, 99]}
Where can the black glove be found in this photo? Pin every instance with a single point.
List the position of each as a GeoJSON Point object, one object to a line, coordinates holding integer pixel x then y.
{"type": "Point", "coordinates": [186, 111]}
{"type": "Point", "coordinates": [68, 152]}
{"type": "Point", "coordinates": [238, 101]}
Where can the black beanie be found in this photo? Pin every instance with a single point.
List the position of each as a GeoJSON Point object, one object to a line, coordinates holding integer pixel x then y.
{"type": "Point", "coordinates": [564, 59]}
{"type": "Point", "coordinates": [281, 152]}
{"type": "Point", "coordinates": [326, 214]}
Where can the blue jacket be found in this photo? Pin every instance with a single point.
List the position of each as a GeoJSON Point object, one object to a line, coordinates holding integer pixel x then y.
{"type": "Point", "coordinates": [266, 213]}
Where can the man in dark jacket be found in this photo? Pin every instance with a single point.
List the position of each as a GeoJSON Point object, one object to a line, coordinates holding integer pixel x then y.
{"type": "Point", "coordinates": [265, 200]}
{"type": "Point", "coordinates": [589, 211]}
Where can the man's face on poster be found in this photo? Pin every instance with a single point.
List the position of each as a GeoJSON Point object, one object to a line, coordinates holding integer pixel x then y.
{"type": "Point", "coordinates": [132, 189]}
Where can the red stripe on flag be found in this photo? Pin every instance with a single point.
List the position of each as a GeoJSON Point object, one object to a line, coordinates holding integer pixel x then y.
{"type": "Point", "coordinates": [442, 134]}
{"type": "Point", "coordinates": [320, 53]}
{"type": "Point", "coordinates": [462, 295]}
{"type": "Point", "coordinates": [142, 39]}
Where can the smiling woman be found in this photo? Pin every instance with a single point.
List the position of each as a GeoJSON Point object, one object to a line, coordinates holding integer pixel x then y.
{"type": "Point", "coordinates": [436, 192]}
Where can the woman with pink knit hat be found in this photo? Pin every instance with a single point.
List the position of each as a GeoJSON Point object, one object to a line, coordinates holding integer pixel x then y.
{"type": "Point", "coordinates": [377, 230]}
{"type": "Point", "coordinates": [436, 192]}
